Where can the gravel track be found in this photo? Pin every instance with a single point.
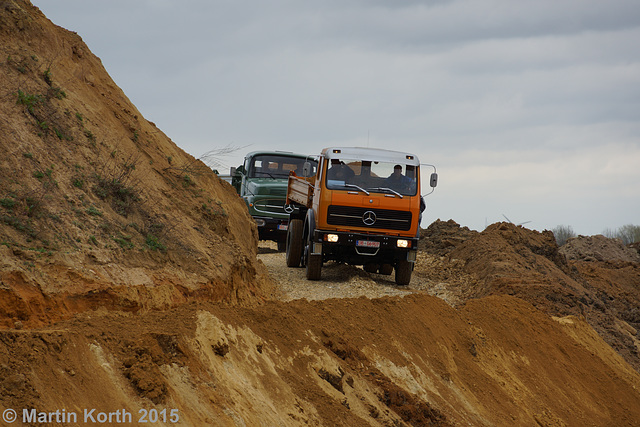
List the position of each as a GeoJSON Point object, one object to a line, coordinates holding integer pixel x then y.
{"type": "Point", "coordinates": [340, 281]}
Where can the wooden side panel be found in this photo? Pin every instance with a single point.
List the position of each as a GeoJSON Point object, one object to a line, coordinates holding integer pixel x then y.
{"type": "Point", "coordinates": [299, 191]}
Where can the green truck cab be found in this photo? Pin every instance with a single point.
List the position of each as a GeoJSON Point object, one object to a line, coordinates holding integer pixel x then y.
{"type": "Point", "coordinates": [262, 182]}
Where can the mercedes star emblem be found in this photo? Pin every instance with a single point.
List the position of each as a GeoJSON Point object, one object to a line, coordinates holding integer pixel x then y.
{"type": "Point", "coordinates": [369, 218]}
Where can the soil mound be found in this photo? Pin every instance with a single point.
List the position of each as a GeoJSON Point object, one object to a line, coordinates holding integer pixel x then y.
{"type": "Point", "coordinates": [441, 237]}
{"type": "Point", "coordinates": [598, 248]}
{"type": "Point", "coordinates": [412, 361]}
{"type": "Point", "coordinates": [512, 260]}
{"type": "Point", "coordinates": [97, 206]}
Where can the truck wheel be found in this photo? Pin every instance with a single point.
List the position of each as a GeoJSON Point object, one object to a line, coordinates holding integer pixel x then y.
{"type": "Point", "coordinates": [403, 272]}
{"type": "Point", "coordinates": [314, 266]}
{"type": "Point", "coordinates": [371, 267]}
{"type": "Point", "coordinates": [386, 269]}
{"type": "Point", "coordinates": [294, 243]}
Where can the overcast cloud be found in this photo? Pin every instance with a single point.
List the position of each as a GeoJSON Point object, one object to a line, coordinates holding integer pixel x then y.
{"type": "Point", "coordinates": [529, 108]}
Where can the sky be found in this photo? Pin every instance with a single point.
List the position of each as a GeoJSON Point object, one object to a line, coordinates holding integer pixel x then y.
{"type": "Point", "coordinates": [529, 109]}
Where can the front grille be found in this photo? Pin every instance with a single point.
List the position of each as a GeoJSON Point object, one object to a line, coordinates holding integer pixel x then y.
{"type": "Point", "coordinates": [350, 216]}
{"type": "Point", "coordinates": [269, 206]}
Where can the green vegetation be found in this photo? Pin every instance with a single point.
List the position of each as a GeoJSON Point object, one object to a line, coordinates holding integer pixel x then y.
{"type": "Point", "coordinates": [58, 93]}
{"type": "Point", "coordinates": [29, 101]}
{"type": "Point", "coordinates": [93, 211]}
{"type": "Point", "coordinates": [78, 182]}
{"type": "Point", "coordinates": [89, 135]}
{"type": "Point", "coordinates": [119, 186]}
{"type": "Point", "coordinates": [7, 203]}
{"type": "Point", "coordinates": [18, 224]}
{"type": "Point", "coordinates": [154, 244]}
{"type": "Point", "coordinates": [47, 77]}
{"type": "Point", "coordinates": [187, 181]}
{"type": "Point", "coordinates": [123, 241]}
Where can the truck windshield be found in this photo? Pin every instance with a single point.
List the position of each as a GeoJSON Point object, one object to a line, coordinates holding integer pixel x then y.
{"type": "Point", "coordinates": [374, 177]}
{"type": "Point", "coordinates": [278, 167]}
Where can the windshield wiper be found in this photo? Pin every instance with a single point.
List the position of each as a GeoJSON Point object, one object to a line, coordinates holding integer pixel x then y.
{"type": "Point", "coordinates": [358, 187]}
{"type": "Point", "coordinates": [387, 189]}
{"type": "Point", "coordinates": [266, 173]}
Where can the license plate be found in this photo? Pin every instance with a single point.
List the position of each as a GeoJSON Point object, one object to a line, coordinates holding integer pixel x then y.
{"type": "Point", "coordinates": [367, 243]}
{"type": "Point", "coordinates": [283, 227]}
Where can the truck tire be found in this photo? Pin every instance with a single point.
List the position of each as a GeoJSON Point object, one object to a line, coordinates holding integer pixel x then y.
{"type": "Point", "coordinates": [386, 269]}
{"type": "Point", "coordinates": [294, 243]}
{"type": "Point", "coordinates": [404, 269]}
{"type": "Point", "coordinates": [371, 267]}
{"type": "Point", "coordinates": [314, 266]}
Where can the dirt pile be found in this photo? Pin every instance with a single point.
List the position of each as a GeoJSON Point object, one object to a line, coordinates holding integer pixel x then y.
{"type": "Point", "coordinates": [97, 206]}
{"type": "Point", "coordinates": [598, 248]}
{"type": "Point", "coordinates": [391, 361]}
{"type": "Point", "coordinates": [506, 259]}
{"type": "Point", "coordinates": [441, 237]}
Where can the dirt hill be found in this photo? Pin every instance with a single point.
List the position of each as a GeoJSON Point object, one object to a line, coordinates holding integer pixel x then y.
{"type": "Point", "coordinates": [509, 260]}
{"type": "Point", "coordinates": [97, 206]}
{"type": "Point", "coordinates": [132, 286]}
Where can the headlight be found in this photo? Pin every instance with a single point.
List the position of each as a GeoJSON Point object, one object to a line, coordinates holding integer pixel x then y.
{"type": "Point", "coordinates": [332, 238]}
{"type": "Point", "coordinates": [403, 243]}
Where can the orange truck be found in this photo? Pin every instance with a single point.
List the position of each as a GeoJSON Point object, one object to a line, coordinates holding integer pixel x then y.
{"type": "Point", "coordinates": [363, 207]}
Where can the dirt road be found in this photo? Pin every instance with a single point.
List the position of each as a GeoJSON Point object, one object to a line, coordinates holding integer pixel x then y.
{"type": "Point", "coordinates": [346, 281]}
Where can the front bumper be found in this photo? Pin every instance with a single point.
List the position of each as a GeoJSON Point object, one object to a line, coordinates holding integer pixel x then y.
{"type": "Point", "coordinates": [360, 248]}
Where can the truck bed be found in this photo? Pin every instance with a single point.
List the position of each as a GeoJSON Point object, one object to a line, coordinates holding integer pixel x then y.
{"type": "Point", "coordinates": [300, 190]}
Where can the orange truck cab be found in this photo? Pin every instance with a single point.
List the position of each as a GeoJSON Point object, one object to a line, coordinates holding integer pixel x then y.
{"type": "Point", "coordinates": [362, 207]}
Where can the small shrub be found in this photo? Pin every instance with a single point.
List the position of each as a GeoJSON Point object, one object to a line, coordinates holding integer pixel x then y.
{"type": "Point", "coordinates": [562, 233]}
{"type": "Point", "coordinates": [627, 233]}
{"type": "Point", "coordinates": [29, 101]}
{"type": "Point", "coordinates": [187, 181]}
{"type": "Point", "coordinates": [47, 77]}
{"type": "Point", "coordinates": [123, 241]}
{"type": "Point", "coordinates": [78, 182]}
{"type": "Point", "coordinates": [58, 93]}
{"type": "Point", "coordinates": [93, 211]}
{"type": "Point", "coordinates": [154, 244]}
{"type": "Point", "coordinates": [89, 135]}
{"type": "Point", "coordinates": [7, 203]}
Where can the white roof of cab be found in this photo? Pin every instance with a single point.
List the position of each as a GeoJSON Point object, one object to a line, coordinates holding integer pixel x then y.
{"type": "Point", "coordinates": [371, 154]}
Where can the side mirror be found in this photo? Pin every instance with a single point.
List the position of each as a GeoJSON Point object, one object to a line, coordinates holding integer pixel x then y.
{"type": "Point", "coordinates": [434, 180]}
{"type": "Point", "coordinates": [232, 171]}
{"type": "Point", "coordinates": [306, 169]}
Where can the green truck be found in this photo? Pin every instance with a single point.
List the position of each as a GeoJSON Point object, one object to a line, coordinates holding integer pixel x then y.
{"type": "Point", "coordinates": [262, 182]}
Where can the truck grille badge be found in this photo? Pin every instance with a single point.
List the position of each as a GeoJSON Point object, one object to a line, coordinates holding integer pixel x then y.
{"type": "Point", "coordinates": [369, 218]}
